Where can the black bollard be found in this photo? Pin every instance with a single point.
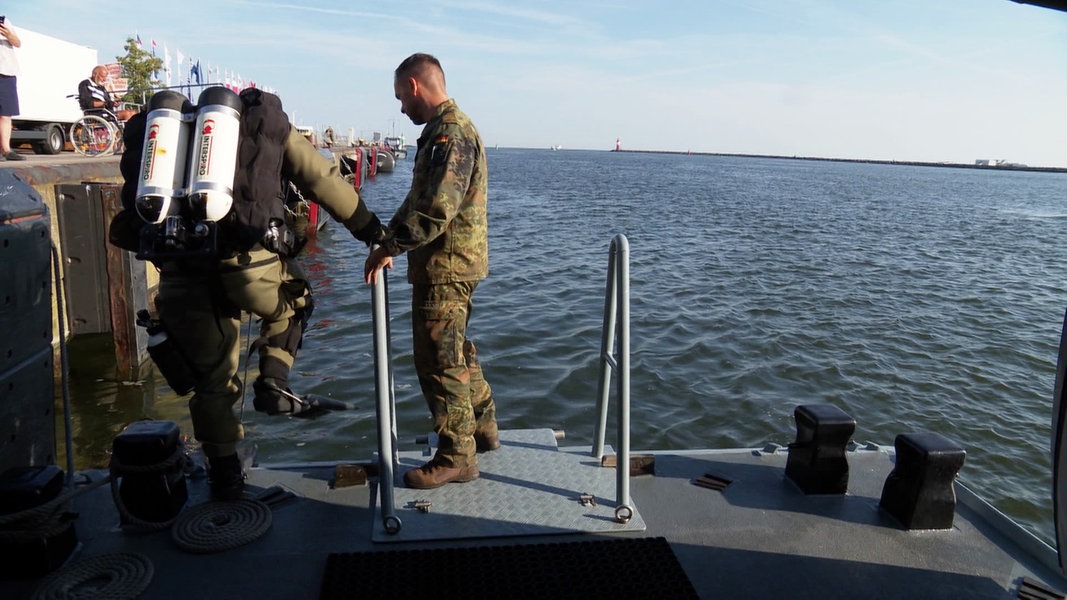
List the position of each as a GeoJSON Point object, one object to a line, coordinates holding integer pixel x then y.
{"type": "Point", "coordinates": [148, 462]}
{"type": "Point", "coordinates": [817, 462]}
{"type": "Point", "coordinates": [919, 491]}
{"type": "Point", "coordinates": [30, 555]}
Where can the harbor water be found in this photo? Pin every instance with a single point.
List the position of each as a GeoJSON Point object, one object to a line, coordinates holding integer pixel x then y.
{"type": "Point", "coordinates": [914, 298]}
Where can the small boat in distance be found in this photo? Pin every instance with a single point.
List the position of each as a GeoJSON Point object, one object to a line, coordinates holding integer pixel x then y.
{"type": "Point", "coordinates": [396, 146]}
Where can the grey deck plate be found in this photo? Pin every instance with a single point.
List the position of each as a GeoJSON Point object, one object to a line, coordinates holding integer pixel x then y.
{"type": "Point", "coordinates": [527, 487]}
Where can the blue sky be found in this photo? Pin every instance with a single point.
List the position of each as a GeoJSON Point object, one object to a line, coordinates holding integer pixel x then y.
{"type": "Point", "coordinates": [928, 80]}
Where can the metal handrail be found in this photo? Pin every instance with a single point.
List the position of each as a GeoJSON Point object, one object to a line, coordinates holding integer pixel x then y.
{"type": "Point", "coordinates": [616, 323]}
{"type": "Point", "coordinates": [388, 460]}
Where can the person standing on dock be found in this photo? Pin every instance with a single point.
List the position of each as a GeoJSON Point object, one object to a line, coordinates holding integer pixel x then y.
{"type": "Point", "coordinates": [9, 94]}
{"type": "Point", "coordinates": [442, 227]}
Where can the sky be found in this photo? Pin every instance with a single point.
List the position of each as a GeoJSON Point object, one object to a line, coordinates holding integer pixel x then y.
{"type": "Point", "coordinates": [910, 80]}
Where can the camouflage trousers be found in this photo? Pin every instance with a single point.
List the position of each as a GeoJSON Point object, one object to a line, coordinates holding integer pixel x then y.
{"type": "Point", "coordinates": [201, 305]}
{"type": "Point", "coordinates": [459, 398]}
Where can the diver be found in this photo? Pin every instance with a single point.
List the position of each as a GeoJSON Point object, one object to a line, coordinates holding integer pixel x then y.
{"type": "Point", "coordinates": [214, 225]}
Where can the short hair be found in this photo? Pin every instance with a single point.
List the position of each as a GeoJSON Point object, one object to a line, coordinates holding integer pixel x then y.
{"type": "Point", "coordinates": [418, 65]}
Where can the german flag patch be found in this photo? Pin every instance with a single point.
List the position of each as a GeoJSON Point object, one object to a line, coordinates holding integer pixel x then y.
{"type": "Point", "coordinates": [439, 151]}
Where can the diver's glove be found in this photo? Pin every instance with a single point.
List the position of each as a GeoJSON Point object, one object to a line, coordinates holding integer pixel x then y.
{"type": "Point", "coordinates": [371, 233]}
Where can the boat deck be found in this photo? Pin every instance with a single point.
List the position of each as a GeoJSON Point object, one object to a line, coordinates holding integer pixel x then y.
{"type": "Point", "coordinates": [759, 537]}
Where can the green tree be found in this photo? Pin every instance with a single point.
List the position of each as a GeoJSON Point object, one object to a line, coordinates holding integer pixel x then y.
{"type": "Point", "coordinates": [138, 67]}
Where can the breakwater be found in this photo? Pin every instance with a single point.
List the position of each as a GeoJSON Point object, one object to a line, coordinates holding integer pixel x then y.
{"type": "Point", "coordinates": [868, 161]}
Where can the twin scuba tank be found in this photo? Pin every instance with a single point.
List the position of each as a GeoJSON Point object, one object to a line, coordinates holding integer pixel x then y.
{"type": "Point", "coordinates": [188, 164]}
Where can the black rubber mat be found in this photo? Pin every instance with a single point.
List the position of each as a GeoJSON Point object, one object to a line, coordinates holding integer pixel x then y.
{"type": "Point", "coordinates": [614, 568]}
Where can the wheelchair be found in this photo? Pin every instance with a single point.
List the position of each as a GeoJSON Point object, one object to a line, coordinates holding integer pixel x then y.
{"type": "Point", "coordinates": [97, 132]}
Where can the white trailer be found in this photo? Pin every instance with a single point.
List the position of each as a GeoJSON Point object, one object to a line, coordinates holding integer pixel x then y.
{"type": "Point", "coordinates": [51, 70]}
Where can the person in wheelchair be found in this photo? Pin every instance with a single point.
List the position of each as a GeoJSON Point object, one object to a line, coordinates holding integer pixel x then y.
{"type": "Point", "coordinates": [95, 98]}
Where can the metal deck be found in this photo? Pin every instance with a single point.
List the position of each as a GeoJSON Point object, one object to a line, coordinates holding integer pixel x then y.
{"type": "Point", "coordinates": [760, 537]}
{"type": "Point", "coordinates": [526, 488]}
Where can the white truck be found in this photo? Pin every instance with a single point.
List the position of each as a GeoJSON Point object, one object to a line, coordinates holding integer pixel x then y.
{"type": "Point", "coordinates": [51, 70]}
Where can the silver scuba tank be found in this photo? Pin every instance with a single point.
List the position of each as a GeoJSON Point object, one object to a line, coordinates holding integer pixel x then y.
{"type": "Point", "coordinates": [163, 161]}
{"type": "Point", "coordinates": [214, 164]}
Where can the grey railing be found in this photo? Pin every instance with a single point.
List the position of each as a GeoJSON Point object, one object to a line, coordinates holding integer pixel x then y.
{"type": "Point", "coordinates": [388, 460]}
{"type": "Point", "coordinates": [615, 355]}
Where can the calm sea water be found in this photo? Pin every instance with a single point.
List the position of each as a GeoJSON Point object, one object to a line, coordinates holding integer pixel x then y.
{"type": "Point", "coordinates": [915, 298]}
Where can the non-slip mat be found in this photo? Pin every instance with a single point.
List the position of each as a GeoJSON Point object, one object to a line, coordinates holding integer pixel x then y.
{"type": "Point", "coordinates": [527, 487]}
{"type": "Point", "coordinates": [606, 568]}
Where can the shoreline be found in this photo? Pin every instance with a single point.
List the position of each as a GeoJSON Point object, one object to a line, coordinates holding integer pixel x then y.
{"type": "Point", "coordinates": [910, 163]}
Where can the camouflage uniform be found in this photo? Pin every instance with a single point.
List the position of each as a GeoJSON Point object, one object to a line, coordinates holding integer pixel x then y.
{"type": "Point", "coordinates": [200, 303]}
{"type": "Point", "coordinates": [443, 228]}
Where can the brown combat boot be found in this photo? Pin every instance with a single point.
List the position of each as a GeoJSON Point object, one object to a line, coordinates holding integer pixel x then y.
{"type": "Point", "coordinates": [432, 475]}
{"type": "Point", "coordinates": [486, 442]}
{"type": "Point", "coordinates": [487, 437]}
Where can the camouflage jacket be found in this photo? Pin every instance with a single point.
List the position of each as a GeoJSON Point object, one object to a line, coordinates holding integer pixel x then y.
{"type": "Point", "coordinates": [442, 222]}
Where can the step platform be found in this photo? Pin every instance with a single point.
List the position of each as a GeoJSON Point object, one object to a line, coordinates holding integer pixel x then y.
{"type": "Point", "coordinates": [527, 487]}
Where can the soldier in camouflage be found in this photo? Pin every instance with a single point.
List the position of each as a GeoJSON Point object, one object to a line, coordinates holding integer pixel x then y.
{"type": "Point", "coordinates": [442, 227]}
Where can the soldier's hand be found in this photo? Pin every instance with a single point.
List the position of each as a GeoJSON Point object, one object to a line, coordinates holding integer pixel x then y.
{"type": "Point", "coordinates": [377, 260]}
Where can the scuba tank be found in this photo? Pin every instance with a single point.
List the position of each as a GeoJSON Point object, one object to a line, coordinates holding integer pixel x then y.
{"type": "Point", "coordinates": [166, 141]}
{"type": "Point", "coordinates": [214, 164]}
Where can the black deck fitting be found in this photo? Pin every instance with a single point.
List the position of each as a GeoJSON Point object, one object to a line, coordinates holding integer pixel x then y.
{"type": "Point", "coordinates": [150, 494]}
{"type": "Point", "coordinates": [918, 492]}
{"type": "Point", "coordinates": [817, 462]}
{"type": "Point", "coordinates": [34, 547]}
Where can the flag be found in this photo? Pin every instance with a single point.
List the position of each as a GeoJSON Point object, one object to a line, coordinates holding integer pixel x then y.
{"type": "Point", "coordinates": [195, 72]}
{"type": "Point", "coordinates": [166, 63]}
{"type": "Point", "coordinates": [153, 47]}
{"type": "Point", "coordinates": [138, 40]}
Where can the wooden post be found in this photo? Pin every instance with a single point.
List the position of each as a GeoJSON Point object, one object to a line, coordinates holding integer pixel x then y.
{"type": "Point", "coordinates": [128, 286]}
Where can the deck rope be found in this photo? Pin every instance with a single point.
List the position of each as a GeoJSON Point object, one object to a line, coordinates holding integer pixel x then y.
{"type": "Point", "coordinates": [217, 526]}
{"type": "Point", "coordinates": [178, 460]}
{"type": "Point", "coordinates": [103, 577]}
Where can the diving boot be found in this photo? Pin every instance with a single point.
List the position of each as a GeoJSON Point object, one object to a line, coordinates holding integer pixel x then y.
{"type": "Point", "coordinates": [274, 398]}
{"type": "Point", "coordinates": [225, 477]}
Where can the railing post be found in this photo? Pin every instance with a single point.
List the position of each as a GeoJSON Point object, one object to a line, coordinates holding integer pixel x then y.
{"type": "Point", "coordinates": [616, 328]}
{"type": "Point", "coordinates": [607, 359]}
{"type": "Point", "coordinates": [623, 510]}
{"type": "Point", "coordinates": [386, 402]}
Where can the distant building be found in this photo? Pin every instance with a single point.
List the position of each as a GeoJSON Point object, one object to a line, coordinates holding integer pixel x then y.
{"type": "Point", "coordinates": [999, 162]}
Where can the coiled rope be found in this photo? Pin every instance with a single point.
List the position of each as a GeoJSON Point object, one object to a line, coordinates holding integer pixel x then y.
{"type": "Point", "coordinates": [177, 460]}
{"type": "Point", "coordinates": [103, 577]}
{"type": "Point", "coordinates": [217, 526]}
